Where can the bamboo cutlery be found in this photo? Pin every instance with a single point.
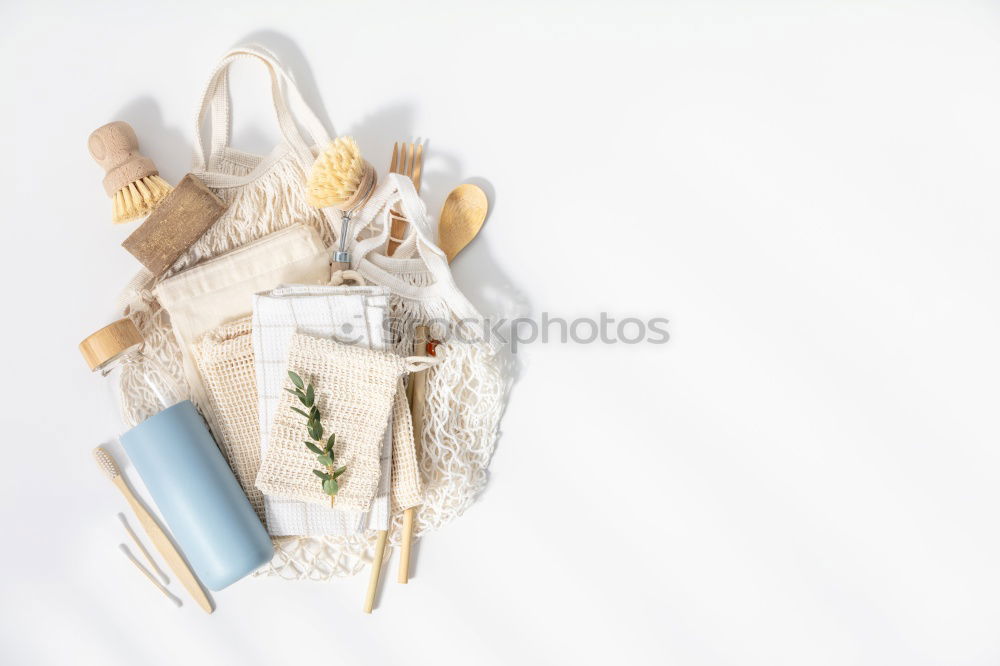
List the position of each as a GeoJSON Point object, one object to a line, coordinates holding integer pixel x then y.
{"type": "Point", "coordinates": [407, 159]}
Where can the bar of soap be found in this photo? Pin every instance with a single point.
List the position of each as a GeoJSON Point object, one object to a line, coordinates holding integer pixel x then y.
{"type": "Point", "coordinates": [174, 225]}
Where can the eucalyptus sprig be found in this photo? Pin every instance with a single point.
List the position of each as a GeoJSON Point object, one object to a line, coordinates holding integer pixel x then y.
{"type": "Point", "coordinates": [314, 425]}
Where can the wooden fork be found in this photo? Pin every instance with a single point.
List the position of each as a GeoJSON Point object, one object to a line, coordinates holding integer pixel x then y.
{"type": "Point", "coordinates": [408, 160]}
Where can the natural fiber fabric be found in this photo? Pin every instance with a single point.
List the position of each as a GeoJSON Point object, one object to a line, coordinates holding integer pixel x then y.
{"type": "Point", "coordinates": [221, 289]}
{"type": "Point", "coordinates": [306, 520]}
{"type": "Point", "coordinates": [406, 487]}
{"type": "Point", "coordinates": [465, 391]}
{"type": "Point", "coordinates": [226, 362]}
{"type": "Point", "coordinates": [357, 316]}
{"type": "Point", "coordinates": [354, 392]}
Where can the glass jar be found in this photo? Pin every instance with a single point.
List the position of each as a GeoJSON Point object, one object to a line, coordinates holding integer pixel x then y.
{"type": "Point", "coordinates": [142, 386]}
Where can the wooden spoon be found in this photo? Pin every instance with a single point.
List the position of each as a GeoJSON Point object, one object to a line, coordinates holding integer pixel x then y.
{"type": "Point", "coordinates": [462, 217]}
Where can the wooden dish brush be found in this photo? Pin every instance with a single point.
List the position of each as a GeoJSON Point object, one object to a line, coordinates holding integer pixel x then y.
{"type": "Point", "coordinates": [131, 178]}
{"type": "Point", "coordinates": [342, 179]}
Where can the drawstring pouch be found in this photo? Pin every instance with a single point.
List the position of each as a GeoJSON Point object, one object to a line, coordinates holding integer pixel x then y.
{"type": "Point", "coordinates": [354, 390]}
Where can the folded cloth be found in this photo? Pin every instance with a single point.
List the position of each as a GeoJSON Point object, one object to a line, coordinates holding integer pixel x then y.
{"type": "Point", "coordinates": [354, 315]}
{"type": "Point", "coordinates": [221, 289]}
{"type": "Point", "coordinates": [354, 389]}
{"type": "Point", "coordinates": [226, 362]}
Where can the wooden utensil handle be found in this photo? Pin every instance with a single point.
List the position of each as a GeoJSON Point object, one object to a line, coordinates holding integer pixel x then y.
{"type": "Point", "coordinates": [376, 570]}
{"type": "Point", "coordinates": [406, 547]}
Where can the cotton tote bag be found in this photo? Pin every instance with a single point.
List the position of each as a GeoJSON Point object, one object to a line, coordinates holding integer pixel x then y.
{"type": "Point", "coordinates": [265, 194]}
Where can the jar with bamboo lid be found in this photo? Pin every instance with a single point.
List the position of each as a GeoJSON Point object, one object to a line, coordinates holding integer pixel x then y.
{"type": "Point", "coordinates": [115, 351]}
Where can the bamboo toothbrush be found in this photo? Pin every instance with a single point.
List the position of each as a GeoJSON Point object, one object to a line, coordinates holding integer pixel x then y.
{"type": "Point", "coordinates": [131, 178]}
{"type": "Point", "coordinates": [342, 179]}
{"type": "Point", "coordinates": [156, 534]}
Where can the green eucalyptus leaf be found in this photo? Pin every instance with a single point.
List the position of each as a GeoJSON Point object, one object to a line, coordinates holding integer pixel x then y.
{"type": "Point", "coordinates": [296, 409]}
{"type": "Point", "coordinates": [310, 396]}
{"type": "Point", "coordinates": [296, 379]}
{"type": "Point", "coordinates": [316, 430]}
{"type": "Point", "coordinates": [330, 487]}
{"type": "Point", "coordinates": [339, 472]}
{"type": "Point", "coordinates": [321, 474]}
{"type": "Point", "coordinates": [303, 400]}
{"type": "Point", "coordinates": [315, 449]}
{"type": "Point", "coordinates": [325, 460]}
{"type": "Point", "coordinates": [330, 442]}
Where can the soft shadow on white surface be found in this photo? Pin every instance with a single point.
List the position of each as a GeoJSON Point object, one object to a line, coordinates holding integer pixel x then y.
{"type": "Point", "coordinates": [805, 474]}
{"type": "Point", "coordinates": [166, 145]}
{"type": "Point", "coordinates": [290, 54]}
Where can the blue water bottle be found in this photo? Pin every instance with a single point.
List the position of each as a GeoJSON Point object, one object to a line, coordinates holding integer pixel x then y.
{"type": "Point", "coordinates": [171, 447]}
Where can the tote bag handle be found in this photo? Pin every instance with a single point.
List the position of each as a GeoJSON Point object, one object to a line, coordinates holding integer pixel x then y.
{"type": "Point", "coordinates": [289, 107]}
{"type": "Point", "coordinates": [399, 190]}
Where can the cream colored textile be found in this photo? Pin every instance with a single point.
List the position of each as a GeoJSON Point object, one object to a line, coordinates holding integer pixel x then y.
{"type": "Point", "coordinates": [221, 289]}
{"type": "Point", "coordinates": [353, 315]}
{"type": "Point", "coordinates": [466, 390]}
{"type": "Point", "coordinates": [406, 487]}
{"type": "Point", "coordinates": [226, 361]}
{"type": "Point", "coordinates": [354, 392]}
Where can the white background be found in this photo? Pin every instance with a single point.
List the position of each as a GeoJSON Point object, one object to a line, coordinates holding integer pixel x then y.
{"type": "Point", "coordinates": [806, 474]}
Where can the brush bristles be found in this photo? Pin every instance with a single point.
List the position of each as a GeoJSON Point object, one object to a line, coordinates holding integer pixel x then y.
{"type": "Point", "coordinates": [106, 463]}
{"type": "Point", "coordinates": [336, 174]}
{"type": "Point", "coordinates": [139, 198]}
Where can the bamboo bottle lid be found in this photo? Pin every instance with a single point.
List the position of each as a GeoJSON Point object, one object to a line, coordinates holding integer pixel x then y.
{"type": "Point", "coordinates": [113, 339]}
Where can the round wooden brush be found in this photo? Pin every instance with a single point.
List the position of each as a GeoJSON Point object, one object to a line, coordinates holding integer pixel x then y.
{"type": "Point", "coordinates": [131, 178]}
{"type": "Point", "coordinates": [342, 179]}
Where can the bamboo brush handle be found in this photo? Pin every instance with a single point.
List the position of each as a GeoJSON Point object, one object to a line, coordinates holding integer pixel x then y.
{"type": "Point", "coordinates": [165, 546]}
{"type": "Point", "coordinates": [418, 395]}
{"type": "Point", "coordinates": [116, 148]}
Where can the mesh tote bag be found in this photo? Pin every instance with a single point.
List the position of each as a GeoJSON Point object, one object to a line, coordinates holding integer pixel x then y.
{"type": "Point", "coordinates": [466, 390]}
